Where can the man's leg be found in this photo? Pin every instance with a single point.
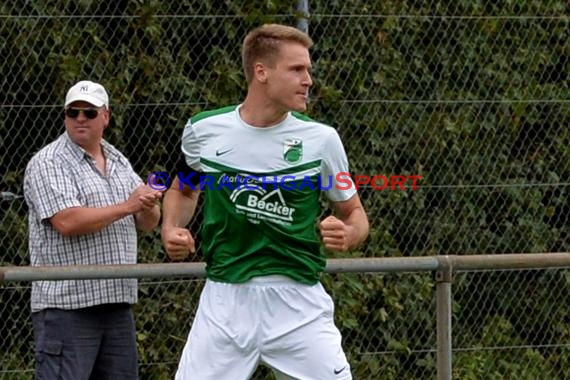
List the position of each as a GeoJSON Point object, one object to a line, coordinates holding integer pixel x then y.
{"type": "Point", "coordinates": [61, 351]}
{"type": "Point", "coordinates": [300, 339]}
{"type": "Point", "coordinates": [222, 343]}
{"type": "Point", "coordinates": [117, 357]}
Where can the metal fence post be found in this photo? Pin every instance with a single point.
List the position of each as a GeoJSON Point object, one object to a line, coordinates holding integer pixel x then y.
{"type": "Point", "coordinates": [444, 278]}
{"type": "Point", "coordinates": [303, 15]}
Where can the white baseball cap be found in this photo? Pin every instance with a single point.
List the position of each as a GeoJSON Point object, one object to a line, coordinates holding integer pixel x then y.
{"type": "Point", "coordinates": [89, 92]}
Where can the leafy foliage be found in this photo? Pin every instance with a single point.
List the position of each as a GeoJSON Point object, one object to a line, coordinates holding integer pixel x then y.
{"type": "Point", "coordinates": [471, 95]}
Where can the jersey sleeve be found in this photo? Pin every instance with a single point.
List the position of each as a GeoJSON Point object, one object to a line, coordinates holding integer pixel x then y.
{"type": "Point", "coordinates": [334, 166]}
{"type": "Point", "coordinates": [191, 147]}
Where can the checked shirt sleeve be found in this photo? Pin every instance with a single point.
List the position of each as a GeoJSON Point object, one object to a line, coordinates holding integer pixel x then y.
{"type": "Point", "coordinates": [49, 188]}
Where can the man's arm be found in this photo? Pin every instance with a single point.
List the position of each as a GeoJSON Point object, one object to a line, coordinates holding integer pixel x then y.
{"type": "Point", "coordinates": [147, 218]}
{"type": "Point", "coordinates": [178, 209]}
{"type": "Point", "coordinates": [76, 221]}
{"type": "Point", "coordinates": [347, 231]}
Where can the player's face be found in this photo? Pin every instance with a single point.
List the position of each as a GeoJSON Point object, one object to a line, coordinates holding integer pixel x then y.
{"type": "Point", "coordinates": [85, 123]}
{"type": "Point", "coordinates": [289, 81]}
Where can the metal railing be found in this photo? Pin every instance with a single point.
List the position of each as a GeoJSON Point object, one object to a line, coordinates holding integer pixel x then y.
{"type": "Point", "coordinates": [443, 266]}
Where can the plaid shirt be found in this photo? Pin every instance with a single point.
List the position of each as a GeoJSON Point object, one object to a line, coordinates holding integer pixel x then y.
{"type": "Point", "coordinates": [63, 175]}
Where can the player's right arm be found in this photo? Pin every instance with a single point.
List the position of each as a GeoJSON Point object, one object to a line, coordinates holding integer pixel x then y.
{"type": "Point", "coordinates": [178, 208]}
{"type": "Point", "coordinates": [180, 200]}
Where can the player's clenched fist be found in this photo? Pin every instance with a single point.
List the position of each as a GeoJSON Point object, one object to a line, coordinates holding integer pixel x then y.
{"type": "Point", "coordinates": [178, 242]}
{"type": "Point", "coordinates": [335, 234]}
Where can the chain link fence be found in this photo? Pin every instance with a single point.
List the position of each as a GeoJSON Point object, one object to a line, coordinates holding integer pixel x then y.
{"type": "Point", "coordinates": [471, 96]}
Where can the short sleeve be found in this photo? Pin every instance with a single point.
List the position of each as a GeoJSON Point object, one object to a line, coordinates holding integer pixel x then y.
{"type": "Point", "coordinates": [191, 147]}
{"type": "Point", "coordinates": [49, 188]}
{"type": "Point", "coordinates": [334, 166]}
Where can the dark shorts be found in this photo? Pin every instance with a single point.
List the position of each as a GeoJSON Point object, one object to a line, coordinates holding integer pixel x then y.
{"type": "Point", "coordinates": [97, 342]}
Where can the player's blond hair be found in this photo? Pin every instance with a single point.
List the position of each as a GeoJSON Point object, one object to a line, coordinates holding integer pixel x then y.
{"type": "Point", "coordinates": [263, 44]}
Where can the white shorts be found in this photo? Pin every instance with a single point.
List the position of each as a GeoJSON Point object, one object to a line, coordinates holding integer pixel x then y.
{"type": "Point", "coordinates": [273, 320]}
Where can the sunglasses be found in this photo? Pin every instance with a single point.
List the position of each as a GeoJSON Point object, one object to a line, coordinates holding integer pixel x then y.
{"type": "Point", "coordinates": [90, 113]}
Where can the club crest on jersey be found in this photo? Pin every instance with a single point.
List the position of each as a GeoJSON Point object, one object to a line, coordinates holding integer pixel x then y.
{"type": "Point", "coordinates": [293, 150]}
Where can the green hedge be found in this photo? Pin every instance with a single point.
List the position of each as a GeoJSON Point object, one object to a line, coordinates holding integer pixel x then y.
{"type": "Point", "coordinates": [473, 96]}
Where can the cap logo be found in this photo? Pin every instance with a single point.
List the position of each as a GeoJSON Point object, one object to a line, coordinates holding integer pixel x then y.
{"type": "Point", "coordinates": [89, 92]}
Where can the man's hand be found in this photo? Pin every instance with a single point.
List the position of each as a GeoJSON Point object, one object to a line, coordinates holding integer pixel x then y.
{"type": "Point", "coordinates": [178, 242]}
{"type": "Point", "coordinates": [150, 200]}
{"type": "Point", "coordinates": [335, 234]}
{"type": "Point", "coordinates": [144, 198]}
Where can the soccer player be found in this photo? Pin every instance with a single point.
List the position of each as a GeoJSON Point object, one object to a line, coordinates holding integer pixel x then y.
{"type": "Point", "coordinates": [262, 301]}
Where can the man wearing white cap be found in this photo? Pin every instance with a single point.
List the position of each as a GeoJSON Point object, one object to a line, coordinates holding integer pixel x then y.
{"type": "Point", "coordinates": [85, 204]}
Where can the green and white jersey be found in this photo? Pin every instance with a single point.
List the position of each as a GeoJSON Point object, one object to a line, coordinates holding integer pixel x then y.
{"type": "Point", "coordinates": [262, 189]}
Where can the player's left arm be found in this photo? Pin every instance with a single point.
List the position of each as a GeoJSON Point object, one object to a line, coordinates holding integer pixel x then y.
{"type": "Point", "coordinates": [348, 229]}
